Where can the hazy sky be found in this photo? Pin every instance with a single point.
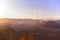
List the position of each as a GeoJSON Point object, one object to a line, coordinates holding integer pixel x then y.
{"type": "Point", "coordinates": [29, 8]}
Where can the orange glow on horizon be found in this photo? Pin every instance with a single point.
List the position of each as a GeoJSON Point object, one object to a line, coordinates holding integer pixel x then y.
{"type": "Point", "coordinates": [3, 20]}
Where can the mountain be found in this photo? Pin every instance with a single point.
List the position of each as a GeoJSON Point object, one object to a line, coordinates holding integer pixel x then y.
{"type": "Point", "coordinates": [13, 29]}
{"type": "Point", "coordinates": [51, 24]}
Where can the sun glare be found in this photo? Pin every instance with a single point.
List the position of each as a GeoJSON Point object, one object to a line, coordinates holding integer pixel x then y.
{"type": "Point", "coordinates": [2, 9]}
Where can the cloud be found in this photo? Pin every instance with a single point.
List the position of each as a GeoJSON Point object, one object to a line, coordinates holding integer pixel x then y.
{"type": "Point", "coordinates": [39, 10]}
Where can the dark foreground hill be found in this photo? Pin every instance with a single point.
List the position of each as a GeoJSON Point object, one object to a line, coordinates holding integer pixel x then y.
{"type": "Point", "coordinates": [28, 29]}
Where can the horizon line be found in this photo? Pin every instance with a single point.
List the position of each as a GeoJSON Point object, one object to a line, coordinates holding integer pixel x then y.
{"type": "Point", "coordinates": [33, 18]}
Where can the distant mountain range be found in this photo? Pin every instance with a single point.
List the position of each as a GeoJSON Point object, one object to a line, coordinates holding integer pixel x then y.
{"type": "Point", "coordinates": [50, 28]}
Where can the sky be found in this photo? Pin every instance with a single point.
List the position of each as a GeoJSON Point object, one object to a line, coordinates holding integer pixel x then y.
{"type": "Point", "coordinates": [29, 8]}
